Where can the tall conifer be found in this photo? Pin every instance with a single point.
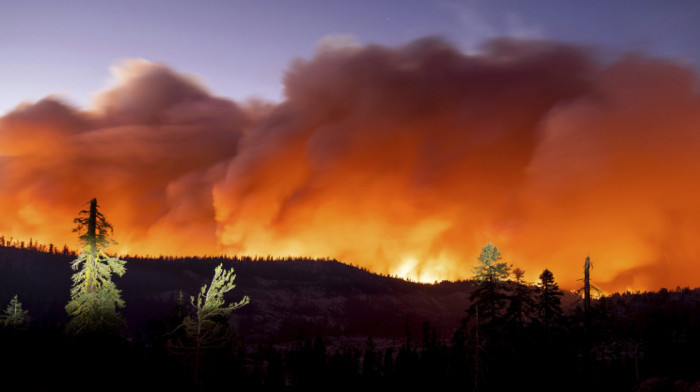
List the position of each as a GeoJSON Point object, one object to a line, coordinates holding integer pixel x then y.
{"type": "Point", "coordinates": [548, 300]}
{"type": "Point", "coordinates": [94, 297]}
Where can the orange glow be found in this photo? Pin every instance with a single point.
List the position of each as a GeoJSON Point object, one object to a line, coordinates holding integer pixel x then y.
{"type": "Point", "coordinates": [403, 160]}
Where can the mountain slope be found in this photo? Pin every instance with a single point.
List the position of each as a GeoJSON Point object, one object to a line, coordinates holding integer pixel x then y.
{"type": "Point", "coordinates": [288, 297]}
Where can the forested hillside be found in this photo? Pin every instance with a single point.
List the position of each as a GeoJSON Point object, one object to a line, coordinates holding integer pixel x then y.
{"type": "Point", "coordinates": [288, 296]}
{"type": "Point", "coordinates": [322, 323]}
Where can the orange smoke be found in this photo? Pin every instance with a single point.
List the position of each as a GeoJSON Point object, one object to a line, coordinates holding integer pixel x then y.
{"type": "Point", "coordinates": [403, 160]}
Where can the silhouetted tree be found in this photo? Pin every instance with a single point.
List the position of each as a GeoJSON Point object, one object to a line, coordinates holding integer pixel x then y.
{"type": "Point", "coordinates": [587, 286]}
{"type": "Point", "coordinates": [548, 300]}
{"type": "Point", "coordinates": [521, 303]}
{"type": "Point", "coordinates": [587, 265]}
{"type": "Point", "coordinates": [94, 297]}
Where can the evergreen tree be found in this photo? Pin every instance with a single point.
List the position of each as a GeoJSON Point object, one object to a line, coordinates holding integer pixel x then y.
{"type": "Point", "coordinates": [489, 269]}
{"type": "Point", "coordinates": [521, 303]}
{"type": "Point", "coordinates": [94, 297]}
{"type": "Point", "coordinates": [490, 274]}
{"type": "Point", "coordinates": [549, 300]}
{"type": "Point", "coordinates": [207, 326]}
{"type": "Point", "coordinates": [14, 316]}
{"type": "Point", "coordinates": [487, 301]}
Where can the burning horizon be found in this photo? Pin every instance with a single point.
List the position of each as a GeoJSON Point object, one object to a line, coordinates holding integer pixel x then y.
{"type": "Point", "coordinates": [405, 160]}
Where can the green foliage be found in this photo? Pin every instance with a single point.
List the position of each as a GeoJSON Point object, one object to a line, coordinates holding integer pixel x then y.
{"type": "Point", "coordinates": [489, 269]}
{"type": "Point", "coordinates": [94, 297]}
{"type": "Point", "coordinates": [210, 307]}
{"type": "Point", "coordinates": [14, 316]}
{"type": "Point", "coordinates": [488, 298]}
{"type": "Point", "coordinates": [207, 327]}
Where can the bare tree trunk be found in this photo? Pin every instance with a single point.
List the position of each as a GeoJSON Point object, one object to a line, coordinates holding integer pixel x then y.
{"type": "Point", "coordinates": [587, 317]}
{"type": "Point", "coordinates": [91, 280]}
{"type": "Point", "coordinates": [92, 222]}
{"type": "Point", "coordinates": [587, 285]}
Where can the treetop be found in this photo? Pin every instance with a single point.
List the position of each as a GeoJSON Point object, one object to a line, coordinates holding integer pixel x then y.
{"type": "Point", "coordinates": [92, 226]}
{"type": "Point", "coordinates": [489, 269]}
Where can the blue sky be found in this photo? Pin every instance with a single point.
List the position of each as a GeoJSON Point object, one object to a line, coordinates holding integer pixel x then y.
{"type": "Point", "coordinates": [241, 48]}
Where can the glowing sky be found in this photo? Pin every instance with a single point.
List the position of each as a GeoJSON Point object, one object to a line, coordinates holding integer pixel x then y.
{"type": "Point", "coordinates": [533, 127]}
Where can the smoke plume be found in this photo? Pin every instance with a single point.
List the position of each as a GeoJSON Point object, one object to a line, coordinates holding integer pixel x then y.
{"type": "Point", "coordinates": [405, 160]}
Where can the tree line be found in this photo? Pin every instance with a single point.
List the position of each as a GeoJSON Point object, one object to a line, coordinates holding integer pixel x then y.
{"type": "Point", "coordinates": [513, 335]}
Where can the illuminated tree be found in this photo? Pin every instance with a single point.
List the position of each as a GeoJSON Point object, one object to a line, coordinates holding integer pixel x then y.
{"type": "Point", "coordinates": [489, 270]}
{"type": "Point", "coordinates": [490, 274]}
{"type": "Point", "coordinates": [94, 297]}
{"type": "Point", "coordinates": [207, 326]}
{"type": "Point", "coordinates": [487, 299]}
{"type": "Point", "coordinates": [14, 316]}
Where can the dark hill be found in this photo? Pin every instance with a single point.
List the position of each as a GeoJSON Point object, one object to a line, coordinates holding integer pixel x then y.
{"type": "Point", "coordinates": [288, 297]}
{"type": "Point", "coordinates": [627, 342]}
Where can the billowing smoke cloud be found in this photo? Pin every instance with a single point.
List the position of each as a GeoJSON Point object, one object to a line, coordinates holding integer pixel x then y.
{"type": "Point", "coordinates": [404, 160]}
{"type": "Point", "coordinates": [150, 151]}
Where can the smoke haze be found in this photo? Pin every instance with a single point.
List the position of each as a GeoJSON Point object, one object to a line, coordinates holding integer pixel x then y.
{"type": "Point", "coordinates": [405, 160]}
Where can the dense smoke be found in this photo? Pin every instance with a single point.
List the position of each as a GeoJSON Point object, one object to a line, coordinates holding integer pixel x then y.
{"type": "Point", "coordinates": [403, 160]}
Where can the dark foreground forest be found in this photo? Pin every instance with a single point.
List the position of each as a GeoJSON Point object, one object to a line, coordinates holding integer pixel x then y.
{"type": "Point", "coordinates": [321, 324]}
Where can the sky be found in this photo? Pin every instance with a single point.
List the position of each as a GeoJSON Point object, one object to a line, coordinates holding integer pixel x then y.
{"type": "Point", "coordinates": [241, 49]}
{"type": "Point", "coordinates": [401, 136]}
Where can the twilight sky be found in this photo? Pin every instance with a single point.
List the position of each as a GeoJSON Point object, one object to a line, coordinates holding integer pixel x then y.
{"type": "Point", "coordinates": [241, 49]}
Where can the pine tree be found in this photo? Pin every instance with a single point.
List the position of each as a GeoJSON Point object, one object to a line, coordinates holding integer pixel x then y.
{"type": "Point", "coordinates": [94, 297]}
{"type": "Point", "coordinates": [490, 274]}
{"type": "Point", "coordinates": [487, 300]}
{"type": "Point", "coordinates": [206, 327]}
{"type": "Point", "coordinates": [489, 269]}
{"type": "Point", "coordinates": [521, 304]}
{"type": "Point", "coordinates": [549, 300]}
{"type": "Point", "coordinates": [14, 316]}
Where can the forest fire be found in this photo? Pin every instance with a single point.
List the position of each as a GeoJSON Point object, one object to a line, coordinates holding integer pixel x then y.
{"type": "Point", "coordinates": [402, 160]}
